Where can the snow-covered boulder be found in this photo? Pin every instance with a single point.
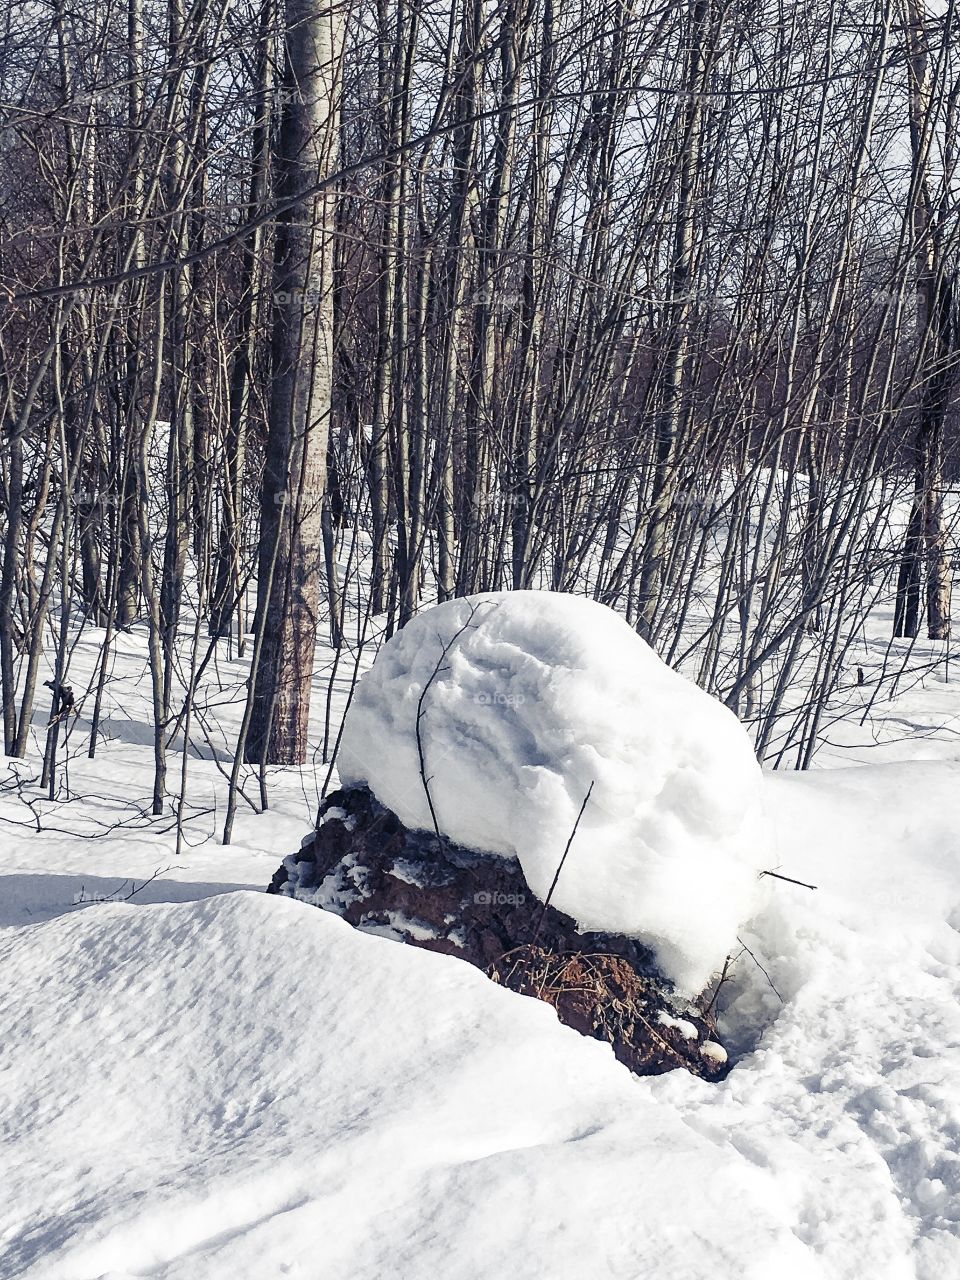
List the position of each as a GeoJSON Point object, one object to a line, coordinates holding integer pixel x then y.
{"type": "Point", "coordinates": [363, 864]}
{"type": "Point", "coordinates": [512, 706]}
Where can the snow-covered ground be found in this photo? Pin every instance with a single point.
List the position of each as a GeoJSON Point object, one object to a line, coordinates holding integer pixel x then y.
{"type": "Point", "coordinates": [205, 1082]}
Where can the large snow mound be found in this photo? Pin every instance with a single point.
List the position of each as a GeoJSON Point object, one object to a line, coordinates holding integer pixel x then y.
{"type": "Point", "coordinates": [248, 1089]}
{"type": "Point", "coordinates": [527, 699]}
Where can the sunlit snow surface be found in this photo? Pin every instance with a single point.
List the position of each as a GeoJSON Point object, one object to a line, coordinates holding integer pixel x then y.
{"type": "Point", "coordinates": [241, 1088]}
{"type": "Point", "coordinates": [244, 1087]}
{"type": "Point", "coordinates": [527, 701]}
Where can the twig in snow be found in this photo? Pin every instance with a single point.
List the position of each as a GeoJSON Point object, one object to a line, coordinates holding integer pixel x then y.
{"type": "Point", "coordinates": [762, 969]}
{"type": "Point", "coordinates": [546, 903]}
{"type": "Point", "coordinates": [421, 708]}
{"type": "Point", "coordinates": [789, 879]}
{"type": "Point", "coordinates": [82, 900]}
{"type": "Point", "coordinates": [724, 977]}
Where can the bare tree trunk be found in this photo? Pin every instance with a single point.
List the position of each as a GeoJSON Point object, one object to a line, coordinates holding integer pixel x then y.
{"type": "Point", "coordinates": [128, 584]}
{"type": "Point", "coordinates": [226, 596]}
{"type": "Point", "coordinates": [291, 545]}
{"type": "Point", "coordinates": [180, 444]}
{"type": "Point", "coordinates": [689, 146]}
{"type": "Point", "coordinates": [492, 242]}
{"type": "Point", "coordinates": [451, 290]}
{"type": "Point", "coordinates": [523, 481]}
{"type": "Point", "coordinates": [925, 547]}
{"type": "Point", "coordinates": [13, 477]}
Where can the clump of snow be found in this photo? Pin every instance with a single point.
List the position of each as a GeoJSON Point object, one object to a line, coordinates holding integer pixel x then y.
{"type": "Point", "coordinates": [334, 814]}
{"type": "Point", "coordinates": [526, 701]}
{"type": "Point", "coordinates": [686, 1029]}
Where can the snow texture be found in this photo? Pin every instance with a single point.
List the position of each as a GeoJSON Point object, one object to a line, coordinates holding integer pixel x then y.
{"type": "Point", "coordinates": [241, 1088]}
{"type": "Point", "coordinates": [198, 1112]}
{"type": "Point", "coordinates": [244, 1087]}
{"type": "Point", "coordinates": [525, 701]}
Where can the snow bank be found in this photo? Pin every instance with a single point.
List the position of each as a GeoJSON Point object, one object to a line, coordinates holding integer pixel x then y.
{"type": "Point", "coordinates": [852, 1095]}
{"type": "Point", "coordinates": [248, 1089]}
{"type": "Point", "coordinates": [527, 699]}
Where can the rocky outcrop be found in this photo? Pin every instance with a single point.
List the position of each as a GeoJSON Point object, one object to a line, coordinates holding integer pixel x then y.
{"type": "Point", "coordinates": [363, 864]}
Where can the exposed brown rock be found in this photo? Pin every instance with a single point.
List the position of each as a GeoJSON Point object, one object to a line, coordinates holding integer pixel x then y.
{"type": "Point", "coordinates": [363, 864]}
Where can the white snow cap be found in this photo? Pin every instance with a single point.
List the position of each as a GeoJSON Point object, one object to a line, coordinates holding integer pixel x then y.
{"type": "Point", "coordinates": [531, 696]}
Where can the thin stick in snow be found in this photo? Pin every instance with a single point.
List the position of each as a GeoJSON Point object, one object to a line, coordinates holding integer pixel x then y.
{"type": "Point", "coordinates": [444, 651]}
{"type": "Point", "coordinates": [546, 903]}
{"type": "Point", "coordinates": [789, 879]}
{"type": "Point", "coordinates": [761, 968]}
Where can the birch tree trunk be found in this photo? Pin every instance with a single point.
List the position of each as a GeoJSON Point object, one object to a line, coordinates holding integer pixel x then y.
{"type": "Point", "coordinates": [291, 533]}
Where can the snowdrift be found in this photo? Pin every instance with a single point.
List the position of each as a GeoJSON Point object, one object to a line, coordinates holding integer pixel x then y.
{"type": "Point", "coordinates": [245, 1088]}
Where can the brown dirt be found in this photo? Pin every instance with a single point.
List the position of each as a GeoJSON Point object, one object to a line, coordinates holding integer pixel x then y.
{"type": "Point", "coordinates": [363, 864]}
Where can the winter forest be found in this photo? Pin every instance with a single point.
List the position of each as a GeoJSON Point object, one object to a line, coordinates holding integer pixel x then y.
{"type": "Point", "coordinates": [488, 470]}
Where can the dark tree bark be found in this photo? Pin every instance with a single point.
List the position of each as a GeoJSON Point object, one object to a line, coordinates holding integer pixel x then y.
{"type": "Point", "coordinates": [925, 548]}
{"type": "Point", "coordinates": [291, 537]}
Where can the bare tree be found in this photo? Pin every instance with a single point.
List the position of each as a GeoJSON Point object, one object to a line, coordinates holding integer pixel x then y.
{"type": "Point", "coordinates": [291, 547]}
